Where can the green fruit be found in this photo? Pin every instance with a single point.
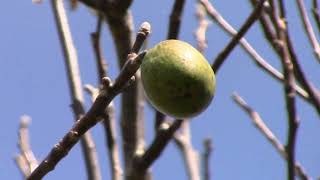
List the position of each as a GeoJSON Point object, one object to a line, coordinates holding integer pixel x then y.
{"type": "Point", "coordinates": [177, 79]}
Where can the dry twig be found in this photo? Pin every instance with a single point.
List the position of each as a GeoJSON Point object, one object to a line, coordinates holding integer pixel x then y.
{"type": "Point", "coordinates": [207, 143]}
{"type": "Point", "coordinates": [26, 160]}
{"type": "Point", "coordinates": [200, 33]}
{"type": "Point", "coordinates": [144, 159]}
{"type": "Point", "coordinates": [92, 117]}
{"type": "Point", "coordinates": [308, 28]}
{"type": "Point", "coordinates": [316, 13]}
{"type": "Point", "coordinates": [190, 156]}
{"type": "Point", "coordinates": [222, 56]}
{"type": "Point", "coordinates": [109, 115]}
{"type": "Point", "coordinates": [72, 68]}
{"type": "Point", "coordinates": [214, 14]}
{"type": "Point", "coordinates": [263, 128]}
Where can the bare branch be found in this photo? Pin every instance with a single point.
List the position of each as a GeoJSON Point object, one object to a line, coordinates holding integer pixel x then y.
{"type": "Point", "coordinates": [289, 91]}
{"type": "Point", "coordinates": [95, 39]}
{"type": "Point", "coordinates": [314, 95]}
{"type": "Point", "coordinates": [316, 13]}
{"type": "Point", "coordinates": [200, 33]}
{"type": "Point", "coordinates": [144, 159]}
{"type": "Point", "coordinates": [190, 156]}
{"type": "Point", "coordinates": [75, 85]}
{"type": "Point", "coordinates": [175, 19]}
{"type": "Point", "coordinates": [214, 14]}
{"type": "Point", "coordinates": [110, 133]}
{"type": "Point", "coordinates": [263, 128]}
{"type": "Point", "coordinates": [207, 143]}
{"type": "Point", "coordinates": [26, 160]}
{"type": "Point", "coordinates": [109, 115]}
{"type": "Point", "coordinates": [22, 165]}
{"type": "Point", "coordinates": [222, 56]}
{"type": "Point", "coordinates": [92, 117]}
{"type": "Point", "coordinates": [308, 28]}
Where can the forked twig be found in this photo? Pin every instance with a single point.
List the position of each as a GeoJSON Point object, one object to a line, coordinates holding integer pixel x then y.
{"type": "Point", "coordinates": [222, 56]}
{"type": "Point", "coordinates": [144, 159]}
{"type": "Point", "coordinates": [109, 115]}
{"type": "Point", "coordinates": [93, 116]}
{"type": "Point", "coordinates": [214, 14]}
{"type": "Point", "coordinates": [268, 134]}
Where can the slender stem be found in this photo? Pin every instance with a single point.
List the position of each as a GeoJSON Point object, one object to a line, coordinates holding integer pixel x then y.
{"type": "Point", "coordinates": [175, 19]}
{"type": "Point", "coordinates": [26, 160]}
{"type": "Point", "coordinates": [200, 33]}
{"type": "Point", "coordinates": [263, 128]}
{"type": "Point", "coordinates": [109, 115]}
{"type": "Point", "coordinates": [222, 56]}
{"type": "Point", "coordinates": [144, 159]}
{"type": "Point", "coordinates": [190, 156]}
{"type": "Point", "coordinates": [262, 63]}
{"type": "Point", "coordinates": [308, 28]}
{"type": "Point", "coordinates": [207, 143]}
{"type": "Point", "coordinates": [289, 91]}
{"type": "Point", "coordinates": [316, 13]}
{"type": "Point", "coordinates": [93, 116]}
{"type": "Point", "coordinates": [75, 85]}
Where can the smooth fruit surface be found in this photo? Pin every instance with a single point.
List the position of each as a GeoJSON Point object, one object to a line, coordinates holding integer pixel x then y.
{"type": "Point", "coordinates": [177, 79]}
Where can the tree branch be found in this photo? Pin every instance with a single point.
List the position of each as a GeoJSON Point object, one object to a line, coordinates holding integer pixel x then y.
{"type": "Point", "coordinates": [316, 13]}
{"type": "Point", "coordinates": [175, 19]}
{"type": "Point", "coordinates": [144, 159]}
{"type": "Point", "coordinates": [207, 143]}
{"type": "Point", "coordinates": [289, 91]}
{"type": "Point", "coordinates": [26, 160]}
{"type": "Point", "coordinates": [268, 134]}
{"type": "Point", "coordinates": [92, 117]}
{"type": "Point", "coordinates": [200, 33]}
{"type": "Point", "coordinates": [308, 28]}
{"type": "Point", "coordinates": [314, 95]}
{"type": "Point", "coordinates": [190, 156]}
{"type": "Point", "coordinates": [262, 63]}
{"type": "Point", "coordinates": [75, 85]}
{"type": "Point", "coordinates": [109, 115]}
{"type": "Point", "coordinates": [222, 56]}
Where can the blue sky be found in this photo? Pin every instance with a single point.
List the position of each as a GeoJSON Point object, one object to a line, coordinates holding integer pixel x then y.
{"type": "Point", "coordinates": [33, 79]}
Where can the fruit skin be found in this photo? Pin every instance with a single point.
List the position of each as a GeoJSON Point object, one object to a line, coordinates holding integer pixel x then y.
{"type": "Point", "coordinates": [177, 79]}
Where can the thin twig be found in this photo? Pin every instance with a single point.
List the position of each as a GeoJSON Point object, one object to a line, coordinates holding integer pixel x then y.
{"type": "Point", "coordinates": [316, 13]}
{"type": "Point", "coordinates": [308, 28]}
{"type": "Point", "coordinates": [26, 160]}
{"type": "Point", "coordinates": [110, 133]}
{"type": "Point", "coordinates": [175, 19]}
{"type": "Point", "coordinates": [190, 156]}
{"type": "Point", "coordinates": [289, 91]}
{"type": "Point", "coordinates": [207, 143]}
{"type": "Point", "coordinates": [72, 68]}
{"type": "Point", "coordinates": [200, 33]}
{"type": "Point", "coordinates": [215, 15]}
{"type": "Point", "coordinates": [268, 134]}
{"type": "Point", "coordinates": [222, 56]}
{"type": "Point", "coordinates": [311, 91]}
{"type": "Point", "coordinates": [144, 159]}
{"type": "Point", "coordinates": [95, 40]}
{"type": "Point", "coordinates": [93, 116]}
{"type": "Point", "coordinates": [119, 18]}
{"type": "Point", "coordinates": [109, 115]}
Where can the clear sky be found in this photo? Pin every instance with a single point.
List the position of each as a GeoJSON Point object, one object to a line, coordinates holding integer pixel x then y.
{"type": "Point", "coordinates": [33, 82]}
